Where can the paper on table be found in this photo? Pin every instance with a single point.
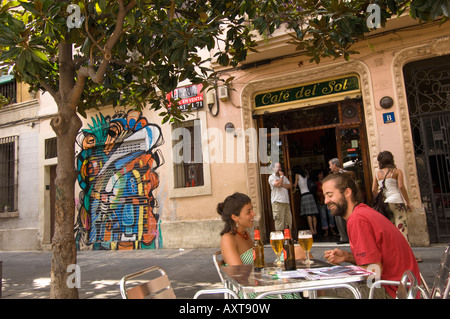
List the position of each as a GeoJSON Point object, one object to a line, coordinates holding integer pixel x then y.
{"type": "Point", "coordinates": [326, 272]}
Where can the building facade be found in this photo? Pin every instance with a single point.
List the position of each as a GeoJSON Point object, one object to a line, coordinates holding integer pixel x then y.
{"type": "Point", "coordinates": [19, 180]}
{"type": "Point", "coordinates": [145, 185]}
{"type": "Point", "coordinates": [392, 96]}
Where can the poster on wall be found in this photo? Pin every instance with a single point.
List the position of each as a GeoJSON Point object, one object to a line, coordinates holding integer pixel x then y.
{"type": "Point", "coordinates": [188, 97]}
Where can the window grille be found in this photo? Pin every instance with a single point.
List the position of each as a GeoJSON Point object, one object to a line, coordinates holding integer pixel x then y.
{"type": "Point", "coordinates": [9, 90]}
{"type": "Point", "coordinates": [8, 173]}
{"type": "Point", "coordinates": [50, 148]}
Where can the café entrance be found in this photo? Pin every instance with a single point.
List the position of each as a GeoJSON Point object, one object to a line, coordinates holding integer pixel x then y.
{"type": "Point", "coordinates": [310, 137]}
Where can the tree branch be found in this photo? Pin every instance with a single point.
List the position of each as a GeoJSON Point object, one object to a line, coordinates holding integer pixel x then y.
{"type": "Point", "coordinates": [50, 90]}
{"type": "Point", "coordinates": [77, 63]}
{"type": "Point", "coordinates": [97, 76]}
{"type": "Point", "coordinates": [115, 36]}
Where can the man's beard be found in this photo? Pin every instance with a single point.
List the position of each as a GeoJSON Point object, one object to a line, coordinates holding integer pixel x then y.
{"type": "Point", "coordinates": [340, 208]}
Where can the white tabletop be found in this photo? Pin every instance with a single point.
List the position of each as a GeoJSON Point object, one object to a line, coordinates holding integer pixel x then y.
{"type": "Point", "coordinates": [246, 280]}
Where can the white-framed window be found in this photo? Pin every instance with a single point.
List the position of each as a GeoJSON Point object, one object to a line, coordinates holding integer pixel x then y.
{"type": "Point", "coordinates": [187, 154]}
{"type": "Point", "coordinates": [190, 173]}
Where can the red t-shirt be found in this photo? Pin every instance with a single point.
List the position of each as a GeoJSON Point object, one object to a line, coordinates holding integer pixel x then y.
{"type": "Point", "coordinates": [374, 239]}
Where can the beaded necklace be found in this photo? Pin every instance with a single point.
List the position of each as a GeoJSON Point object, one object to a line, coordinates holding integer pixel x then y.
{"type": "Point", "coordinates": [245, 235]}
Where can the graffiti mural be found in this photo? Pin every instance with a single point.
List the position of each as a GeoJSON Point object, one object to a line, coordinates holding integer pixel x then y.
{"type": "Point", "coordinates": [117, 175]}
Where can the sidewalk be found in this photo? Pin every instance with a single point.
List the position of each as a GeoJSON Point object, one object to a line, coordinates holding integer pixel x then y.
{"type": "Point", "coordinates": [27, 274]}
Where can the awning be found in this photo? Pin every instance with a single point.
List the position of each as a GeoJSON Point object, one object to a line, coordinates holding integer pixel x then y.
{"type": "Point", "coordinates": [6, 78]}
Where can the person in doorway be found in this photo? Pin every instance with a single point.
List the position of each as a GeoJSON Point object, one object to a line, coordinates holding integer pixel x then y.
{"type": "Point", "coordinates": [308, 205]}
{"type": "Point", "coordinates": [335, 167]}
{"type": "Point", "coordinates": [281, 209]}
{"type": "Point", "coordinates": [326, 218]}
{"type": "Point", "coordinates": [375, 242]}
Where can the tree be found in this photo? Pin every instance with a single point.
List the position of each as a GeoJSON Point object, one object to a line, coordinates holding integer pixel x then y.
{"type": "Point", "coordinates": [132, 52]}
{"type": "Point", "coordinates": [122, 53]}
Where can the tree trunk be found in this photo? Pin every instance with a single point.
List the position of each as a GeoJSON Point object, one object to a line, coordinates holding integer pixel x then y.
{"type": "Point", "coordinates": [64, 251]}
{"type": "Point", "coordinates": [66, 126]}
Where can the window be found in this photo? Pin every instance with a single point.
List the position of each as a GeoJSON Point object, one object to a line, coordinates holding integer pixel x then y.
{"type": "Point", "coordinates": [8, 88]}
{"type": "Point", "coordinates": [8, 173]}
{"type": "Point", "coordinates": [50, 148]}
{"type": "Point", "coordinates": [187, 154]}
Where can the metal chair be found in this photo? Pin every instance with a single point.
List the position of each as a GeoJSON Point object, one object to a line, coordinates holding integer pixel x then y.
{"type": "Point", "coordinates": [157, 288]}
{"type": "Point", "coordinates": [441, 285]}
{"type": "Point", "coordinates": [313, 290]}
{"type": "Point", "coordinates": [407, 286]}
{"type": "Point", "coordinates": [227, 292]}
{"type": "Point", "coordinates": [218, 262]}
{"type": "Point", "coordinates": [425, 291]}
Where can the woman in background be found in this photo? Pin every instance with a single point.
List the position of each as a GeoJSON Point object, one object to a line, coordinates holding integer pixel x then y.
{"type": "Point", "coordinates": [396, 196]}
{"type": "Point", "coordinates": [308, 206]}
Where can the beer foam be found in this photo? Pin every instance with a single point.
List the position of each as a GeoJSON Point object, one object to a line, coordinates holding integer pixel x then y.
{"type": "Point", "coordinates": [305, 236]}
{"type": "Point", "coordinates": [277, 236]}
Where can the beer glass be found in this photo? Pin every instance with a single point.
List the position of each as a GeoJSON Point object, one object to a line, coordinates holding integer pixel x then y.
{"type": "Point", "coordinates": [305, 239]}
{"type": "Point", "coordinates": [276, 241]}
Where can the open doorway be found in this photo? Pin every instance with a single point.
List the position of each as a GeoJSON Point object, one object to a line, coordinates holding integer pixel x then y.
{"type": "Point", "coordinates": [310, 137]}
{"type": "Point", "coordinates": [310, 150]}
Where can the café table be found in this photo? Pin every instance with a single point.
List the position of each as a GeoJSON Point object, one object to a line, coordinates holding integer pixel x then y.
{"type": "Point", "coordinates": [246, 280]}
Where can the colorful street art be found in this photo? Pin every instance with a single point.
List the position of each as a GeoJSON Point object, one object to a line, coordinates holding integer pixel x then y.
{"type": "Point", "coordinates": [117, 175]}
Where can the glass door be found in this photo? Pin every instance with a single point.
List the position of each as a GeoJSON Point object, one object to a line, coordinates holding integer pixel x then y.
{"type": "Point", "coordinates": [353, 156]}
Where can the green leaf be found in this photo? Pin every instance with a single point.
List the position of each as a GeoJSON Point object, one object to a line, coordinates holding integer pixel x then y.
{"type": "Point", "coordinates": [40, 55]}
{"type": "Point", "coordinates": [9, 5]}
{"type": "Point", "coordinates": [102, 5]}
{"type": "Point", "coordinates": [130, 18]}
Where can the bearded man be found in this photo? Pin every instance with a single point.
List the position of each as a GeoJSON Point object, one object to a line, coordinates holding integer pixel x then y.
{"type": "Point", "coordinates": [374, 241]}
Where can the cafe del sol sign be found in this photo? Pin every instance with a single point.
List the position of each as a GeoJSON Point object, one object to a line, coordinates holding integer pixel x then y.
{"type": "Point", "coordinates": [309, 91]}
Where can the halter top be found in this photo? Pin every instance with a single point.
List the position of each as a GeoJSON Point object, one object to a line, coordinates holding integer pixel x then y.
{"type": "Point", "coordinates": [391, 192]}
{"type": "Point", "coordinates": [247, 257]}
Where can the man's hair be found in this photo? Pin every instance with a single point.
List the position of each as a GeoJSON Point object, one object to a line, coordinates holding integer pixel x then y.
{"type": "Point", "coordinates": [343, 181]}
{"type": "Point", "coordinates": [335, 161]}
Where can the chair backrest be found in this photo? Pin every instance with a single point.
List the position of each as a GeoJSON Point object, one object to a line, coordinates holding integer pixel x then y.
{"type": "Point", "coordinates": [156, 288]}
{"type": "Point", "coordinates": [441, 285]}
{"type": "Point", "coordinates": [218, 262]}
{"type": "Point", "coordinates": [408, 287]}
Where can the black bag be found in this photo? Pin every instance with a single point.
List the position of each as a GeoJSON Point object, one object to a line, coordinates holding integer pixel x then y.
{"type": "Point", "coordinates": [378, 202]}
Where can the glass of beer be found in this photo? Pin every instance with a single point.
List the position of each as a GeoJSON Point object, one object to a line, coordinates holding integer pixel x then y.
{"type": "Point", "coordinates": [305, 239]}
{"type": "Point", "coordinates": [276, 241]}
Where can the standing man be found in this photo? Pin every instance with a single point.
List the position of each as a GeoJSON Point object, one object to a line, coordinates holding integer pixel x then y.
{"type": "Point", "coordinates": [279, 186]}
{"type": "Point", "coordinates": [376, 244]}
{"type": "Point", "coordinates": [335, 167]}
